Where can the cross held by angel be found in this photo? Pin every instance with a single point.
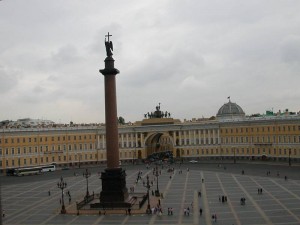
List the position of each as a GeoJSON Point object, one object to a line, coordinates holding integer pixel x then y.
{"type": "Point", "coordinates": [108, 45]}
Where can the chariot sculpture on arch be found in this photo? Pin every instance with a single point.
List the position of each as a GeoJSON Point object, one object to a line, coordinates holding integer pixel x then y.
{"type": "Point", "coordinates": [108, 45]}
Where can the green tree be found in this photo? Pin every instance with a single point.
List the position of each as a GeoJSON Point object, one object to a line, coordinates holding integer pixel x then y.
{"type": "Point", "coordinates": [121, 120]}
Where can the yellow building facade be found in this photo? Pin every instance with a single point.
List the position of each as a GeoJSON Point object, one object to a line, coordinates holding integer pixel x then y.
{"type": "Point", "coordinates": [228, 136]}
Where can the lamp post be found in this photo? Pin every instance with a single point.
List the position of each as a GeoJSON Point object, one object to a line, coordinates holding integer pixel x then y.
{"type": "Point", "coordinates": [157, 175]}
{"type": "Point", "coordinates": [148, 186]}
{"type": "Point", "coordinates": [290, 163]}
{"type": "Point", "coordinates": [62, 185]}
{"type": "Point", "coordinates": [87, 174]}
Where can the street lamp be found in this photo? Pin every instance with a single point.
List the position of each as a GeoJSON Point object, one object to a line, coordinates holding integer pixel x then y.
{"type": "Point", "coordinates": [148, 186]}
{"type": "Point", "coordinates": [87, 174]}
{"type": "Point", "coordinates": [156, 174]}
{"type": "Point", "coordinates": [290, 163]}
{"type": "Point", "coordinates": [62, 185]}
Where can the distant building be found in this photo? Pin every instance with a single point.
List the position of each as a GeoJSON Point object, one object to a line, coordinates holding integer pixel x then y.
{"type": "Point", "coordinates": [27, 123]}
{"type": "Point", "coordinates": [229, 135]}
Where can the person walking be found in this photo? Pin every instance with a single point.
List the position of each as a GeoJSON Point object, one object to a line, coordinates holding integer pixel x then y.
{"type": "Point", "coordinates": [200, 210]}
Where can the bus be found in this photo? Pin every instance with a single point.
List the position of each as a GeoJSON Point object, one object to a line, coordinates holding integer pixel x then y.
{"type": "Point", "coordinates": [34, 170]}
{"type": "Point", "coordinates": [48, 168]}
{"type": "Point", "coordinates": [28, 171]}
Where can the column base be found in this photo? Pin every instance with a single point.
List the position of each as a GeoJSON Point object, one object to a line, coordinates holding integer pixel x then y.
{"type": "Point", "coordinates": [113, 186]}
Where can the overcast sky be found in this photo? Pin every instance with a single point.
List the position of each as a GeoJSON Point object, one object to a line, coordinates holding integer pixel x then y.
{"type": "Point", "coordinates": [187, 55]}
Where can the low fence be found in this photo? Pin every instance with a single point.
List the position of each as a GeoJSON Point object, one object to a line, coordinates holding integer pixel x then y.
{"type": "Point", "coordinates": [86, 200]}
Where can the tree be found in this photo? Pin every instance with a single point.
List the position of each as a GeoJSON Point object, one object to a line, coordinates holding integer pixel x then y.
{"type": "Point", "coordinates": [121, 120]}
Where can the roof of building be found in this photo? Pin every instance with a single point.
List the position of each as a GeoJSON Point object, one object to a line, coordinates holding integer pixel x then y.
{"type": "Point", "coordinates": [230, 109]}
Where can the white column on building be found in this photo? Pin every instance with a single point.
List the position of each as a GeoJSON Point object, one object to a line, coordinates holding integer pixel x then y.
{"type": "Point", "coordinates": [132, 139]}
{"type": "Point", "coordinates": [98, 141]}
{"type": "Point", "coordinates": [142, 140]}
{"type": "Point", "coordinates": [214, 137]}
{"type": "Point", "coordinates": [219, 141]}
{"type": "Point", "coordinates": [179, 137]}
{"type": "Point", "coordinates": [204, 136]}
{"type": "Point", "coordinates": [184, 136]}
{"type": "Point", "coordinates": [209, 142]}
{"type": "Point", "coordinates": [174, 137]}
{"type": "Point", "coordinates": [127, 140]}
{"type": "Point", "coordinates": [103, 142]}
{"type": "Point", "coordinates": [194, 137]}
{"type": "Point", "coordinates": [199, 136]}
{"type": "Point", "coordinates": [136, 140]}
{"type": "Point", "coordinates": [122, 140]}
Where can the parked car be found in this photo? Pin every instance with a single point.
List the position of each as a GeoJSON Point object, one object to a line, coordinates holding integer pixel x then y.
{"type": "Point", "coordinates": [193, 161]}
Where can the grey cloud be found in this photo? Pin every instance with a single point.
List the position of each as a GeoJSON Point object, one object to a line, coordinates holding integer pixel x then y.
{"type": "Point", "coordinates": [8, 79]}
{"type": "Point", "coordinates": [290, 50]}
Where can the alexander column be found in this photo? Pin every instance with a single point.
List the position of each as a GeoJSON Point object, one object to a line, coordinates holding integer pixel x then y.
{"type": "Point", "coordinates": [114, 191]}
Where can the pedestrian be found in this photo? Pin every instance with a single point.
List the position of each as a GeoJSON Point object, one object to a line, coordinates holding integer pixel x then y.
{"type": "Point", "coordinates": [129, 211]}
{"type": "Point", "coordinates": [49, 193]}
{"type": "Point", "coordinates": [200, 210]}
{"type": "Point", "coordinates": [3, 213]}
{"type": "Point", "coordinates": [160, 212]}
{"type": "Point", "coordinates": [202, 180]}
{"type": "Point", "coordinates": [69, 200]}
{"type": "Point", "coordinates": [171, 210]}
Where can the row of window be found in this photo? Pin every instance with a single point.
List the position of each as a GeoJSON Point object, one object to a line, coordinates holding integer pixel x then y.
{"type": "Point", "coordinates": [241, 151]}
{"type": "Point", "coordinates": [34, 161]}
{"type": "Point", "coordinates": [261, 129]}
{"type": "Point", "coordinates": [45, 139]}
{"type": "Point", "coordinates": [201, 131]}
{"type": "Point", "coordinates": [50, 159]}
{"type": "Point", "coordinates": [262, 139]}
{"type": "Point", "coordinates": [46, 148]}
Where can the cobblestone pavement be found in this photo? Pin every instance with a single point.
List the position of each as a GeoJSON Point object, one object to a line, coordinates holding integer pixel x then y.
{"type": "Point", "coordinates": [279, 203]}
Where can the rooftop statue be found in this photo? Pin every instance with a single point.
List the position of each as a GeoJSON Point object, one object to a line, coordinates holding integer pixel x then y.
{"type": "Point", "coordinates": [108, 45]}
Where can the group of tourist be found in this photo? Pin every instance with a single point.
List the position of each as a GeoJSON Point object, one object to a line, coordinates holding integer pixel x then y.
{"type": "Point", "coordinates": [186, 211]}
{"type": "Point", "coordinates": [157, 210]}
{"type": "Point", "coordinates": [222, 198]}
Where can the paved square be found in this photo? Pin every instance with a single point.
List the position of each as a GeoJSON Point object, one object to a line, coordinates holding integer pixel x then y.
{"type": "Point", "coordinates": [26, 200]}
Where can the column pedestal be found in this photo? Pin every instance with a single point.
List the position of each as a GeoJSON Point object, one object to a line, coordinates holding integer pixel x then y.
{"type": "Point", "coordinates": [114, 192]}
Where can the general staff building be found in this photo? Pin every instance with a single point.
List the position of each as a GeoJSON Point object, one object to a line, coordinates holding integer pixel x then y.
{"type": "Point", "coordinates": [230, 135]}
